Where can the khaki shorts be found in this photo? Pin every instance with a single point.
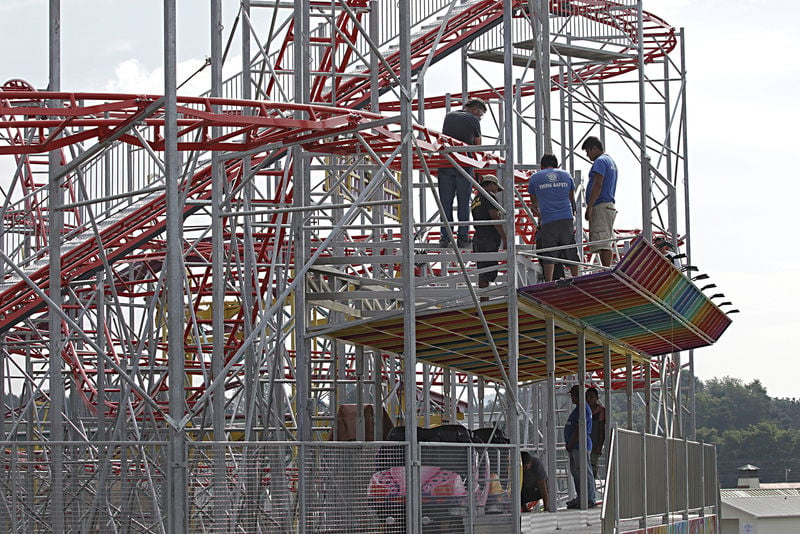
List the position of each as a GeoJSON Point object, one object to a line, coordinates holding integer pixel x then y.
{"type": "Point", "coordinates": [601, 225]}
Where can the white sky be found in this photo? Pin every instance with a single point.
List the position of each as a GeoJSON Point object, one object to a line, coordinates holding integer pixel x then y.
{"type": "Point", "coordinates": [742, 72]}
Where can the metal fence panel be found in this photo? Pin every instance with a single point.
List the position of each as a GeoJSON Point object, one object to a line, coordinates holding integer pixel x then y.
{"type": "Point", "coordinates": [108, 487]}
{"type": "Point", "coordinates": [259, 487]}
{"type": "Point", "coordinates": [658, 469]}
{"type": "Point", "coordinates": [652, 476]}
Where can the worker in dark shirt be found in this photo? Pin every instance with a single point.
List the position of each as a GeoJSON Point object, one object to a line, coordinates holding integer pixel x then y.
{"type": "Point", "coordinates": [534, 482]}
{"type": "Point", "coordinates": [598, 426]}
{"type": "Point", "coordinates": [488, 237]}
{"type": "Point", "coordinates": [464, 125]}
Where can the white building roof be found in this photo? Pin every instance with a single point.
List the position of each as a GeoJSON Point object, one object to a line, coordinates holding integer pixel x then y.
{"type": "Point", "coordinates": [763, 506]}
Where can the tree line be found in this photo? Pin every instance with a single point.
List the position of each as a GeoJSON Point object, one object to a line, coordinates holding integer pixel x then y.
{"type": "Point", "coordinates": [749, 427]}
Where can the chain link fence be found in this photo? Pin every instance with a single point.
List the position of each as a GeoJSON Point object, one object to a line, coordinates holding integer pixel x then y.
{"type": "Point", "coordinates": [251, 487]}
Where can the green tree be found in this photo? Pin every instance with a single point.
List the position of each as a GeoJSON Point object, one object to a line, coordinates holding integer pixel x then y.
{"type": "Point", "coordinates": [786, 412]}
{"type": "Point", "coordinates": [727, 403]}
{"type": "Point", "coordinates": [749, 427]}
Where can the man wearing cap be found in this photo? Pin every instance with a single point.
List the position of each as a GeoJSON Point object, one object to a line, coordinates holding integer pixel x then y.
{"type": "Point", "coordinates": [488, 237]}
{"type": "Point", "coordinates": [464, 125]}
{"type": "Point", "coordinates": [552, 193]}
{"type": "Point", "coordinates": [573, 446]}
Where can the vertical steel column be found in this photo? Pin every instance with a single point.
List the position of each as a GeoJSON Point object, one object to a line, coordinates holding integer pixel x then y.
{"type": "Point", "coordinates": [550, 438]}
{"type": "Point", "coordinates": [453, 400]}
{"type": "Point", "coordinates": [447, 396]}
{"type": "Point", "coordinates": [609, 409]}
{"type": "Point", "coordinates": [673, 223]}
{"type": "Point", "coordinates": [100, 380]}
{"type": "Point", "coordinates": [666, 436]}
{"type": "Point", "coordinates": [540, 9]}
{"type": "Point", "coordinates": [676, 392]}
{"type": "Point", "coordinates": [56, 342]}
{"type": "Point", "coordinates": [374, 59]}
{"type": "Point", "coordinates": [101, 358]}
{"type": "Point", "coordinates": [717, 496]}
{"type": "Point", "coordinates": [464, 80]}
{"type": "Point", "coordinates": [668, 482]}
{"type": "Point", "coordinates": [301, 183]}
{"type": "Point", "coordinates": [453, 396]}
{"type": "Point", "coordinates": [685, 478]}
{"type": "Point", "coordinates": [251, 386]}
{"type": "Point", "coordinates": [413, 498]}
{"type": "Point", "coordinates": [629, 389]}
{"type": "Point", "coordinates": [691, 428]}
{"type": "Point", "coordinates": [526, 401]}
{"type": "Point", "coordinates": [513, 406]}
{"type": "Point", "coordinates": [648, 398]}
{"type": "Point", "coordinates": [31, 416]}
{"type": "Point", "coordinates": [220, 504]}
{"type": "Point", "coordinates": [692, 431]}
{"type": "Point", "coordinates": [703, 501]}
{"type": "Point", "coordinates": [426, 395]}
{"type": "Point", "coordinates": [377, 385]}
{"type": "Point", "coordinates": [601, 95]}
{"type": "Point", "coordinates": [481, 397]}
{"type": "Point", "coordinates": [534, 8]}
{"type": "Point", "coordinates": [643, 518]}
{"type": "Point", "coordinates": [177, 506]}
{"type": "Point", "coordinates": [542, 90]}
{"type": "Point", "coordinates": [360, 426]}
{"type": "Point", "coordinates": [647, 202]}
{"type": "Point", "coordinates": [616, 486]}
{"type": "Point", "coordinates": [470, 401]}
{"type": "Point", "coordinates": [422, 208]}
{"type": "Point", "coordinates": [566, 157]}
{"type": "Point", "coordinates": [583, 467]}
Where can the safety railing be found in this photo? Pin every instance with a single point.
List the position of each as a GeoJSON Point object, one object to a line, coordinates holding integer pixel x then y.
{"type": "Point", "coordinates": [660, 480]}
{"type": "Point", "coordinates": [277, 487]}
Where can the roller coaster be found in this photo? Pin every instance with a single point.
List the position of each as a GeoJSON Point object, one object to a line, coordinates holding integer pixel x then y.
{"type": "Point", "coordinates": [290, 203]}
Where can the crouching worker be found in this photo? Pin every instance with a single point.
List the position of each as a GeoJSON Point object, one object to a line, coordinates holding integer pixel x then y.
{"type": "Point", "coordinates": [534, 483]}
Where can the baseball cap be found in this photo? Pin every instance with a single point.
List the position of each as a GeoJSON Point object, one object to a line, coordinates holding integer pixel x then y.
{"type": "Point", "coordinates": [491, 178]}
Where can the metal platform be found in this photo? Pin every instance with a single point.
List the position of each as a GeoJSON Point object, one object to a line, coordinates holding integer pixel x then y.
{"type": "Point", "coordinates": [645, 306]}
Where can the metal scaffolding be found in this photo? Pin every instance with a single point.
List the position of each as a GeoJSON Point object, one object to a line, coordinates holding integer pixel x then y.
{"type": "Point", "coordinates": [206, 250]}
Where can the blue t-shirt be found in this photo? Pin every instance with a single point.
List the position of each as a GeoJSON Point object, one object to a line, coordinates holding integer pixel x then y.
{"type": "Point", "coordinates": [551, 187]}
{"type": "Point", "coordinates": [603, 165]}
{"type": "Point", "coordinates": [572, 426]}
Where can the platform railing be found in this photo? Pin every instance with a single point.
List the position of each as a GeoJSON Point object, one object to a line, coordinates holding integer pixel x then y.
{"type": "Point", "coordinates": [276, 487]}
{"type": "Point", "coordinates": [657, 480]}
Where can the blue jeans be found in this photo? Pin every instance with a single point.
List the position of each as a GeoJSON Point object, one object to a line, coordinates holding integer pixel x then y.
{"type": "Point", "coordinates": [453, 186]}
{"type": "Point", "coordinates": [575, 468]}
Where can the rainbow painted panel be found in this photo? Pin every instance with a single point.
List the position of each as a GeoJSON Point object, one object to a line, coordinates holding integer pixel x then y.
{"type": "Point", "coordinates": [644, 301]}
